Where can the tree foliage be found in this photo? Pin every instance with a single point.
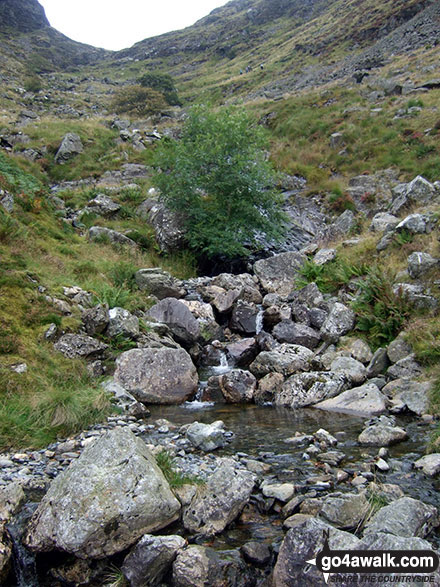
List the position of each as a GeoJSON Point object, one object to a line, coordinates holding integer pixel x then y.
{"type": "Point", "coordinates": [138, 101]}
{"type": "Point", "coordinates": [163, 83]}
{"type": "Point", "coordinates": [218, 177]}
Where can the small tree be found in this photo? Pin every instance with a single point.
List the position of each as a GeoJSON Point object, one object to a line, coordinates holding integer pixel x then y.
{"type": "Point", "coordinates": [218, 177]}
{"type": "Point", "coordinates": [161, 82]}
{"type": "Point", "coordinates": [139, 101]}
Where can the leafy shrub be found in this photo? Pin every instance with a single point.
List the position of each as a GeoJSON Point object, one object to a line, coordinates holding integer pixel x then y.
{"type": "Point", "coordinates": [218, 178]}
{"type": "Point", "coordinates": [139, 101]}
{"type": "Point", "coordinates": [32, 83]}
{"type": "Point", "coordinates": [381, 313]}
{"type": "Point", "coordinates": [340, 201]}
{"type": "Point", "coordinates": [115, 297]}
{"type": "Point", "coordinates": [163, 83]}
{"type": "Point", "coordinates": [10, 229]}
{"type": "Point", "coordinates": [122, 274]}
{"type": "Point", "coordinates": [330, 276]}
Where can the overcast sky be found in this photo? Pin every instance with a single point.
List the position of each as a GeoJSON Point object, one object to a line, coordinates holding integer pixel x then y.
{"type": "Point", "coordinates": [116, 24]}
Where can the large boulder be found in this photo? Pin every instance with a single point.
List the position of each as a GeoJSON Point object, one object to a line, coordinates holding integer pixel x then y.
{"type": "Point", "coordinates": [104, 501]}
{"type": "Point", "coordinates": [220, 501]}
{"type": "Point", "coordinates": [366, 400]}
{"type": "Point", "coordinates": [277, 274]}
{"type": "Point", "coordinates": [71, 145]}
{"type": "Point", "coordinates": [429, 464]}
{"type": "Point", "coordinates": [382, 432]}
{"type": "Point", "coordinates": [150, 559]}
{"type": "Point", "coordinates": [80, 346]}
{"type": "Point", "coordinates": [122, 323]}
{"type": "Point", "coordinates": [244, 318]}
{"type": "Point", "coordinates": [306, 389]}
{"type": "Point", "coordinates": [285, 359]}
{"type": "Point", "coordinates": [301, 544]}
{"type": "Point", "coordinates": [103, 206]}
{"type": "Point", "coordinates": [157, 375]}
{"type": "Point", "coordinates": [178, 318]}
{"type": "Point", "coordinates": [405, 394]}
{"type": "Point", "coordinates": [159, 283]}
{"type": "Point", "coordinates": [168, 225]}
{"type": "Point", "coordinates": [404, 517]}
{"type": "Point", "coordinates": [419, 191]}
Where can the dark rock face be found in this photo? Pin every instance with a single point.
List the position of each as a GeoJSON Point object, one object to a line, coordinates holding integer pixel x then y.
{"type": "Point", "coordinates": [22, 15]}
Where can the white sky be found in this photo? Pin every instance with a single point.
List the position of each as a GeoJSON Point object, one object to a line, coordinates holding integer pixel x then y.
{"type": "Point", "coordinates": [116, 24]}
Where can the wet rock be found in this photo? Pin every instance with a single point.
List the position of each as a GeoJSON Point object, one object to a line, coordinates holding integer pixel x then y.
{"type": "Point", "coordinates": [150, 559]}
{"type": "Point", "coordinates": [383, 432]}
{"type": "Point", "coordinates": [285, 359]}
{"type": "Point", "coordinates": [207, 437]}
{"type": "Point", "coordinates": [71, 145]}
{"type": "Point", "coordinates": [136, 500]}
{"type": "Point", "coordinates": [409, 395]}
{"type": "Point", "coordinates": [301, 544]}
{"type": "Point", "coordinates": [95, 319]}
{"type": "Point", "coordinates": [242, 352]}
{"type": "Point", "coordinates": [244, 318]}
{"type": "Point", "coordinates": [256, 553]}
{"type": "Point", "coordinates": [339, 322]}
{"type": "Point", "coordinates": [300, 334]}
{"type": "Point", "coordinates": [267, 388]}
{"type": "Point", "coordinates": [159, 283]}
{"type": "Point", "coordinates": [345, 510]}
{"type": "Point", "coordinates": [366, 400]}
{"type": "Point", "coordinates": [406, 517]}
{"type": "Point", "coordinates": [305, 389]}
{"type": "Point", "coordinates": [277, 274]}
{"type": "Point", "coordinates": [204, 314]}
{"type": "Point", "coordinates": [333, 457]}
{"type": "Point", "coordinates": [79, 346]}
{"type": "Point", "coordinates": [157, 375]}
{"type": "Point", "coordinates": [238, 386]}
{"type": "Point", "coordinates": [102, 234]}
{"type": "Point", "coordinates": [420, 264]}
{"type": "Point", "coordinates": [430, 464]}
{"type": "Point", "coordinates": [197, 566]}
{"type": "Point", "coordinates": [122, 323]}
{"type": "Point", "coordinates": [354, 370]}
{"type": "Point", "coordinates": [178, 318]}
{"type": "Point", "coordinates": [407, 367]}
{"type": "Point", "coordinates": [220, 501]}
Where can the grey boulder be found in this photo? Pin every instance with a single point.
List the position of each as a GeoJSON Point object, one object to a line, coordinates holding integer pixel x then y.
{"type": "Point", "coordinates": [71, 145]}
{"type": "Point", "coordinates": [366, 400]}
{"type": "Point", "coordinates": [104, 501]}
{"type": "Point", "coordinates": [207, 437]}
{"type": "Point", "coordinates": [220, 501]}
{"type": "Point", "coordinates": [305, 389]}
{"type": "Point", "coordinates": [404, 517]}
{"type": "Point", "coordinates": [159, 283]}
{"type": "Point", "coordinates": [157, 375]}
{"type": "Point", "coordinates": [277, 274]}
{"type": "Point", "coordinates": [79, 346]}
{"type": "Point", "coordinates": [285, 359]}
{"type": "Point", "coordinates": [178, 318]}
{"type": "Point", "coordinates": [339, 322]}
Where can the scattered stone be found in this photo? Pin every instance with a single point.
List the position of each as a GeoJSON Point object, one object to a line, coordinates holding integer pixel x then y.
{"type": "Point", "coordinates": [256, 553]}
{"type": "Point", "coordinates": [378, 363]}
{"type": "Point", "coordinates": [409, 395]}
{"type": "Point", "coordinates": [345, 510]}
{"type": "Point", "coordinates": [207, 437]}
{"type": "Point", "coordinates": [305, 389]}
{"type": "Point", "coordinates": [383, 222]}
{"type": "Point", "coordinates": [419, 264]}
{"type": "Point", "coordinates": [354, 370]}
{"type": "Point", "coordinates": [407, 367]}
{"type": "Point", "coordinates": [285, 359]}
{"type": "Point", "coordinates": [122, 323]}
{"type": "Point", "coordinates": [71, 145]}
{"type": "Point", "coordinates": [430, 464]}
{"type": "Point", "coordinates": [398, 349]}
{"type": "Point", "coordinates": [300, 334]}
{"type": "Point", "coordinates": [238, 386]}
{"type": "Point", "coordinates": [339, 322]}
{"type": "Point", "coordinates": [382, 432]}
{"type": "Point", "coordinates": [74, 346]}
{"type": "Point", "coordinates": [281, 491]}
{"type": "Point", "coordinates": [324, 256]}
{"type": "Point", "coordinates": [103, 206]}
{"type": "Point", "coordinates": [159, 283]}
{"type": "Point", "coordinates": [102, 234]}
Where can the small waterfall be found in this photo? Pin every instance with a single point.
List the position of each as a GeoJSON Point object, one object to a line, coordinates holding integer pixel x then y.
{"type": "Point", "coordinates": [24, 560]}
{"type": "Point", "coordinates": [223, 366]}
{"type": "Point", "coordinates": [259, 322]}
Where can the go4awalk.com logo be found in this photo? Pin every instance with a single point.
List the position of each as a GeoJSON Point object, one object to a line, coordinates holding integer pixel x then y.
{"type": "Point", "coordinates": [376, 566]}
